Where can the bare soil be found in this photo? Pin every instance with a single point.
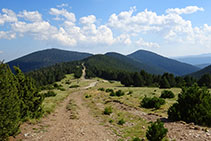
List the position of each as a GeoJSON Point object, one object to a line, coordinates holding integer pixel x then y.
{"type": "Point", "coordinates": [59, 126]}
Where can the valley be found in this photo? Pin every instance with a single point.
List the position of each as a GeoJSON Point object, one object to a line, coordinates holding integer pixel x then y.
{"type": "Point", "coordinates": [77, 114]}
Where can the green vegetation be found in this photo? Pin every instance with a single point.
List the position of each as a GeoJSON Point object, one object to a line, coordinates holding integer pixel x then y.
{"type": "Point", "coordinates": [152, 102]}
{"type": "Point", "coordinates": [117, 93]}
{"type": "Point", "coordinates": [156, 131]}
{"type": "Point", "coordinates": [55, 73]}
{"type": "Point", "coordinates": [72, 108]}
{"type": "Point", "coordinates": [74, 86]}
{"type": "Point", "coordinates": [167, 94]}
{"type": "Point", "coordinates": [50, 94]}
{"type": "Point", "coordinates": [45, 58]}
{"type": "Point", "coordinates": [101, 89]}
{"type": "Point", "coordinates": [193, 105]}
{"type": "Point", "coordinates": [108, 110]}
{"type": "Point", "coordinates": [121, 121]}
{"type": "Point", "coordinates": [20, 100]}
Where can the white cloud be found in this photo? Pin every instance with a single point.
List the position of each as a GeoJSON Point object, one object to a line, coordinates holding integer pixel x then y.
{"type": "Point", "coordinates": [124, 39]}
{"type": "Point", "coordinates": [1, 52]}
{"type": "Point", "coordinates": [62, 5]}
{"type": "Point", "coordinates": [33, 16]}
{"type": "Point", "coordinates": [124, 28]}
{"type": "Point", "coordinates": [62, 13]}
{"type": "Point", "coordinates": [186, 10]}
{"type": "Point", "coordinates": [41, 30]}
{"type": "Point", "coordinates": [88, 20]}
{"type": "Point", "coordinates": [142, 43]}
{"type": "Point", "coordinates": [8, 16]}
{"type": "Point", "coordinates": [7, 35]}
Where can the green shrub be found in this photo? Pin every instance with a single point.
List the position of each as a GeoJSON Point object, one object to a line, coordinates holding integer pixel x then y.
{"type": "Point", "coordinates": [130, 92]}
{"type": "Point", "coordinates": [50, 94]}
{"type": "Point", "coordinates": [193, 105]}
{"type": "Point", "coordinates": [136, 139]}
{"type": "Point", "coordinates": [101, 89]}
{"type": "Point", "coordinates": [109, 90]}
{"type": "Point", "coordinates": [117, 93]}
{"type": "Point", "coordinates": [55, 85]}
{"type": "Point", "coordinates": [74, 86]}
{"type": "Point", "coordinates": [120, 93]}
{"type": "Point", "coordinates": [88, 96]}
{"type": "Point", "coordinates": [108, 110]}
{"type": "Point", "coordinates": [167, 94]}
{"type": "Point", "coordinates": [152, 102]}
{"type": "Point", "coordinates": [156, 131]}
{"type": "Point", "coordinates": [112, 94]}
{"type": "Point", "coordinates": [67, 82]}
{"type": "Point", "coordinates": [121, 121]}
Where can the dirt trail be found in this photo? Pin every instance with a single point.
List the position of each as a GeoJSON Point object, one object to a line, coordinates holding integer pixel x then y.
{"type": "Point", "coordinates": [59, 126]}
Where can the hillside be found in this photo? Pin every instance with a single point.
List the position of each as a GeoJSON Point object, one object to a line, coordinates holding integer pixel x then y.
{"type": "Point", "coordinates": [196, 59]}
{"type": "Point", "coordinates": [166, 64]}
{"type": "Point", "coordinates": [115, 61]}
{"type": "Point", "coordinates": [201, 72]}
{"type": "Point", "coordinates": [46, 58]}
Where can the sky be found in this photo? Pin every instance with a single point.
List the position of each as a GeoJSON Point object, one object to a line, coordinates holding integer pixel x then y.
{"type": "Point", "coordinates": [167, 27]}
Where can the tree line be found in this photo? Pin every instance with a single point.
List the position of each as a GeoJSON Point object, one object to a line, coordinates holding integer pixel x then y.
{"type": "Point", "coordinates": [20, 100]}
{"type": "Point", "coordinates": [54, 73]}
{"type": "Point", "coordinates": [142, 78]}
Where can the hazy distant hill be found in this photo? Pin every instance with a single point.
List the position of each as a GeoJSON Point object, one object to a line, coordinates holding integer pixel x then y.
{"type": "Point", "coordinates": [46, 58]}
{"type": "Point", "coordinates": [196, 59]}
{"type": "Point", "coordinates": [201, 72]}
{"type": "Point", "coordinates": [201, 66]}
{"type": "Point", "coordinates": [166, 64]}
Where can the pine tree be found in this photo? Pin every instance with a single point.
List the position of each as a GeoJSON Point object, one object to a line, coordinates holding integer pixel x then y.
{"type": "Point", "coordinates": [9, 103]}
{"type": "Point", "coordinates": [164, 83]}
{"type": "Point", "coordinates": [31, 100]}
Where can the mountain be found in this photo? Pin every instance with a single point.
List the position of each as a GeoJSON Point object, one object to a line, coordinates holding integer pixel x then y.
{"type": "Point", "coordinates": [46, 58]}
{"type": "Point", "coordinates": [166, 64]}
{"type": "Point", "coordinates": [115, 61]}
{"type": "Point", "coordinates": [196, 59]}
{"type": "Point", "coordinates": [201, 72]}
{"type": "Point", "coordinates": [201, 66]}
{"type": "Point", "coordinates": [132, 62]}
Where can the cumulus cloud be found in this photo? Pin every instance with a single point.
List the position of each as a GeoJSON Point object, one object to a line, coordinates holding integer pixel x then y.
{"type": "Point", "coordinates": [7, 35]}
{"type": "Point", "coordinates": [33, 16]}
{"type": "Point", "coordinates": [7, 16]}
{"type": "Point", "coordinates": [62, 13]}
{"type": "Point", "coordinates": [142, 43]}
{"type": "Point", "coordinates": [124, 28]}
{"type": "Point", "coordinates": [186, 10]}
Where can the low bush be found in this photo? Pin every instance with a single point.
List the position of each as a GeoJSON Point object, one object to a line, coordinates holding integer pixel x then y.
{"type": "Point", "coordinates": [74, 86]}
{"type": "Point", "coordinates": [193, 105]}
{"type": "Point", "coordinates": [120, 93]}
{"type": "Point", "coordinates": [109, 90]}
{"type": "Point", "coordinates": [121, 121]}
{"type": "Point", "coordinates": [152, 102]}
{"type": "Point", "coordinates": [156, 131]}
{"type": "Point", "coordinates": [101, 89]}
{"type": "Point", "coordinates": [50, 94]}
{"type": "Point", "coordinates": [117, 93]}
{"type": "Point", "coordinates": [108, 110]}
{"type": "Point", "coordinates": [167, 94]}
{"type": "Point", "coordinates": [136, 139]}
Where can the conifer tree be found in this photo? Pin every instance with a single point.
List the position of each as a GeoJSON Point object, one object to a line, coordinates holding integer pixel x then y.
{"type": "Point", "coordinates": [31, 100]}
{"type": "Point", "coordinates": [9, 103]}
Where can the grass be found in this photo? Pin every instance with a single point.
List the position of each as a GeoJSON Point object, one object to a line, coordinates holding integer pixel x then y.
{"type": "Point", "coordinates": [132, 125]}
{"type": "Point", "coordinates": [72, 107]}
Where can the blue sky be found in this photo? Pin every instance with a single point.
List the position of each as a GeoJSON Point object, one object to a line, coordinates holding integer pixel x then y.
{"type": "Point", "coordinates": [167, 27]}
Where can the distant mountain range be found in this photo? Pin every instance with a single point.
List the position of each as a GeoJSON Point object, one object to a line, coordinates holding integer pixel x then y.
{"type": "Point", "coordinates": [148, 61]}
{"type": "Point", "coordinates": [201, 72]}
{"type": "Point", "coordinates": [46, 58]}
{"type": "Point", "coordinates": [201, 61]}
{"type": "Point", "coordinates": [163, 63]}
